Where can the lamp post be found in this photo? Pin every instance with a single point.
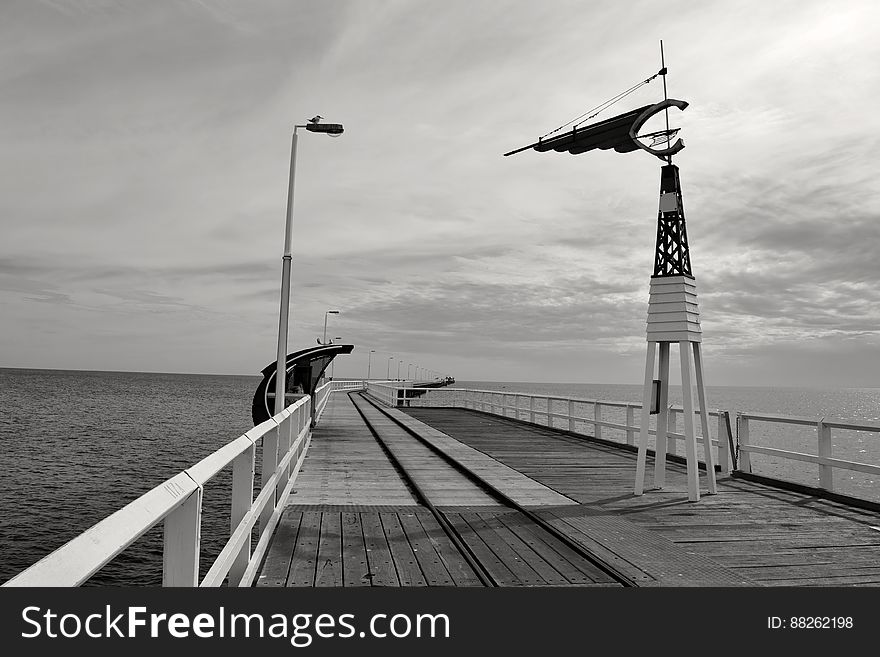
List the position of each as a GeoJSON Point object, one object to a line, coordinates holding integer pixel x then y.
{"type": "Point", "coordinates": [333, 362]}
{"type": "Point", "coordinates": [329, 312]}
{"type": "Point", "coordinates": [334, 130]}
{"type": "Point", "coordinates": [399, 363]}
{"type": "Point", "coordinates": [388, 369]}
{"type": "Point", "coordinates": [407, 370]}
{"type": "Point", "coordinates": [370, 362]}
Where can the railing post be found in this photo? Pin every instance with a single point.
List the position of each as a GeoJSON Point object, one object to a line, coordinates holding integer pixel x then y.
{"type": "Point", "coordinates": [182, 542]}
{"type": "Point", "coordinates": [571, 415]}
{"type": "Point", "coordinates": [742, 436]}
{"type": "Point", "coordinates": [673, 427]}
{"type": "Point", "coordinates": [242, 498]}
{"type": "Point", "coordinates": [597, 416]}
{"type": "Point", "coordinates": [270, 463]}
{"type": "Point", "coordinates": [826, 472]}
{"type": "Point", "coordinates": [723, 444]}
{"type": "Point", "coordinates": [283, 446]}
{"type": "Point", "coordinates": [630, 420]}
{"type": "Point", "coordinates": [532, 409]}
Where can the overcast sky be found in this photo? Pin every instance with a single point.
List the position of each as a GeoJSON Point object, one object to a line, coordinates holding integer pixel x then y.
{"type": "Point", "coordinates": [144, 153]}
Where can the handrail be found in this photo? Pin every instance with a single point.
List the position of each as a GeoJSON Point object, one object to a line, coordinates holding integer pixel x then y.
{"type": "Point", "coordinates": [498, 402]}
{"type": "Point", "coordinates": [178, 501]}
{"type": "Point", "coordinates": [824, 444]}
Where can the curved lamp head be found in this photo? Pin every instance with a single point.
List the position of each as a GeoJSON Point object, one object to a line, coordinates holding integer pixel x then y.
{"type": "Point", "coordinates": [331, 129]}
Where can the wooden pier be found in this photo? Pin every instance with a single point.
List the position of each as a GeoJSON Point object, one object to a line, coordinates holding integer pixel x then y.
{"type": "Point", "coordinates": [541, 508]}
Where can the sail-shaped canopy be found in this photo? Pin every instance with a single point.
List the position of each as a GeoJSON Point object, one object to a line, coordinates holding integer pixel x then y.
{"type": "Point", "coordinates": [618, 133]}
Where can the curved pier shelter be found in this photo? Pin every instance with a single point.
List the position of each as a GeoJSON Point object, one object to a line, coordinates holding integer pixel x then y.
{"type": "Point", "coordinates": [673, 313]}
{"type": "Point", "coordinates": [304, 370]}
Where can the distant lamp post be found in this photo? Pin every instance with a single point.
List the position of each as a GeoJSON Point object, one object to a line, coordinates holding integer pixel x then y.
{"type": "Point", "coordinates": [388, 369]}
{"type": "Point", "coordinates": [370, 362]}
{"type": "Point", "coordinates": [333, 362]}
{"type": "Point", "coordinates": [334, 130]}
{"type": "Point", "coordinates": [399, 363]}
{"type": "Point", "coordinates": [329, 312]}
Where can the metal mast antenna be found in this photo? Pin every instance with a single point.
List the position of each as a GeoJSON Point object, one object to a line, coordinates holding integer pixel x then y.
{"type": "Point", "coordinates": [665, 97]}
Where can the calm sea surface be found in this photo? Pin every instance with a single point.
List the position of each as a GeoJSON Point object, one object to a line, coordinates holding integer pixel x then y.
{"type": "Point", "coordinates": [77, 446]}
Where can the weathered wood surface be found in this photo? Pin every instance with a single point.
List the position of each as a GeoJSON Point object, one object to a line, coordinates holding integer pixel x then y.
{"type": "Point", "coordinates": [407, 547]}
{"type": "Point", "coordinates": [442, 484]}
{"type": "Point", "coordinates": [345, 464]}
{"type": "Point", "coordinates": [521, 488]}
{"type": "Point", "coordinates": [367, 548]}
{"type": "Point", "coordinates": [766, 535]}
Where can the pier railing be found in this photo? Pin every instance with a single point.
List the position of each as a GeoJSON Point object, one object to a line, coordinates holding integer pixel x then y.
{"type": "Point", "coordinates": [568, 413]}
{"type": "Point", "coordinates": [823, 457]}
{"type": "Point", "coordinates": [591, 417]}
{"type": "Point", "coordinates": [178, 502]}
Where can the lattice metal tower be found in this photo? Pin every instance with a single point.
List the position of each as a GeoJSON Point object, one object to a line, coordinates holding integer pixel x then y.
{"type": "Point", "coordinates": [671, 254]}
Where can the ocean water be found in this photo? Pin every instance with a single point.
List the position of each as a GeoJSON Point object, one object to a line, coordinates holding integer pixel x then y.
{"type": "Point", "coordinates": [77, 446]}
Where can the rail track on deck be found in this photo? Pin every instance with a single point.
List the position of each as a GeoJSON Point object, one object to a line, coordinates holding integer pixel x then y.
{"type": "Point", "coordinates": [553, 547]}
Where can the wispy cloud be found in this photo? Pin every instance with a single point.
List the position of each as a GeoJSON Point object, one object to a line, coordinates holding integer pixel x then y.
{"type": "Point", "coordinates": [143, 184]}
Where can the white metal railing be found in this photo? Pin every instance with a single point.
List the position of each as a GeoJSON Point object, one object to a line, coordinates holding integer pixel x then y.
{"type": "Point", "coordinates": [347, 385]}
{"type": "Point", "coordinates": [568, 413]}
{"type": "Point", "coordinates": [178, 501]}
{"type": "Point", "coordinates": [823, 457]}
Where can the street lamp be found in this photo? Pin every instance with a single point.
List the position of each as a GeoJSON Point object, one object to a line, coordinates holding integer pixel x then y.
{"type": "Point", "coordinates": [370, 362]}
{"type": "Point", "coordinates": [399, 363]}
{"type": "Point", "coordinates": [329, 312]}
{"type": "Point", "coordinates": [333, 362]}
{"type": "Point", "coordinates": [388, 369]}
{"type": "Point", "coordinates": [407, 370]}
{"type": "Point", "coordinates": [334, 130]}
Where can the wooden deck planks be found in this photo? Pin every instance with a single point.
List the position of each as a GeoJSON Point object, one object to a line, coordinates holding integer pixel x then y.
{"type": "Point", "coordinates": [355, 568]}
{"type": "Point", "coordinates": [276, 566]}
{"type": "Point", "coordinates": [433, 568]}
{"type": "Point", "coordinates": [329, 562]}
{"type": "Point", "coordinates": [514, 484]}
{"type": "Point", "coordinates": [344, 464]}
{"type": "Point", "coordinates": [750, 529]}
{"type": "Point", "coordinates": [442, 484]}
{"type": "Point", "coordinates": [304, 556]}
{"type": "Point", "coordinates": [381, 564]}
{"type": "Point", "coordinates": [547, 574]}
{"type": "Point", "coordinates": [408, 570]}
{"type": "Point", "coordinates": [563, 558]}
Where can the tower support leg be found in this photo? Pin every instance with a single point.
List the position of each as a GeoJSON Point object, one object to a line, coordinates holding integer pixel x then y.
{"type": "Point", "coordinates": [690, 441]}
{"type": "Point", "coordinates": [704, 420]}
{"type": "Point", "coordinates": [646, 416]}
{"type": "Point", "coordinates": [661, 436]}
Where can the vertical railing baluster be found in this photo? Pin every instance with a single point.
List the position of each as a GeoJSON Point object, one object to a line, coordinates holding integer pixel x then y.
{"type": "Point", "coordinates": [672, 427]}
{"type": "Point", "coordinates": [826, 472]}
{"type": "Point", "coordinates": [242, 499]}
{"type": "Point", "coordinates": [270, 463]}
{"type": "Point", "coordinates": [571, 426]}
{"type": "Point", "coordinates": [597, 416]}
{"type": "Point", "coordinates": [283, 446]}
{"type": "Point", "coordinates": [742, 436]}
{"type": "Point", "coordinates": [630, 423]}
{"type": "Point", "coordinates": [723, 445]}
{"type": "Point", "coordinates": [182, 543]}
